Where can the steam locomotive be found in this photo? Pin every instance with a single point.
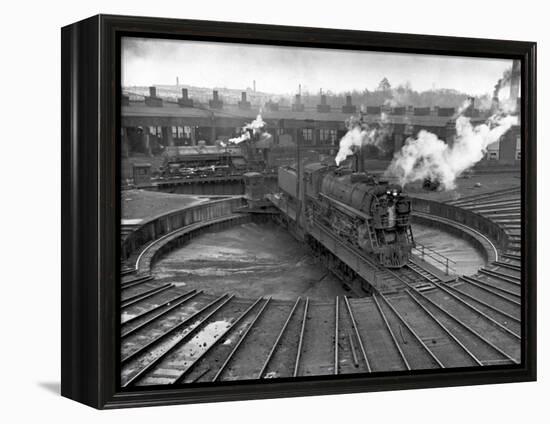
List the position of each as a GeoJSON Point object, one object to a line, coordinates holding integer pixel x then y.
{"type": "Point", "coordinates": [366, 213]}
{"type": "Point", "coordinates": [203, 160]}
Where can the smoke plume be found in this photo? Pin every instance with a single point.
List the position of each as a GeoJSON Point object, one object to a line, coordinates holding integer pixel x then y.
{"type": "Point", "coordinates": [253, 128]}
{"type": "Point", "coordinates": [502, 93]}
{"type": "Point", "coordinates": [361, 134]}
{"type": "Point", "coordinates": [426, 156]}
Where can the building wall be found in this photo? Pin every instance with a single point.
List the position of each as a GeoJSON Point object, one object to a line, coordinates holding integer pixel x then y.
{"type": "Point", "coordinates": [326, 129]}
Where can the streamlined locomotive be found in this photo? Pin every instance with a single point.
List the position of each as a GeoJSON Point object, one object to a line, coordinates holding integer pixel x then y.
{"type": "Point", "coordinates": [365, 212]}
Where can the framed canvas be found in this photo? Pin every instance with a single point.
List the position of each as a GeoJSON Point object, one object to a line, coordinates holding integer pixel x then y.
{"type": "Point", "coordinates": [254, 211]}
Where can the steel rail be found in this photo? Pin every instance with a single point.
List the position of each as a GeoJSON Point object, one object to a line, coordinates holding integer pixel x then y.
{"type": "Point", "coordinates": [221, 337]}
{"type": "Point", "coordinates": [357, 334]}
{"type": "Point", "coordinates": [132, 300]}
{"type": "Point", "coordinates": [336, 331]}
{"type": "Point", "coordinates": [383, 315]}
{"type": "Point", "coordinates": [504, 215]}
{"type": "Point", "coordinates": [176, 345]}
{"type": "Point", "coordinates": [127, 271]}
{"type": "Point", "coordinates": [156, 308]}
{"type": "Point", "coordinates": [495, 210]}
{"type": "Point", "coordinates": [507, 265]}
{"type": "Point", "coordinates": [491, 204]}
{"type": "Point", "coordinates": [486, 198]}
{"type": "Point", "coordinates": [492, 286]}
{"type": "Point", "coordinates": [445, 329]}
{"type": "Point", "coordinates": [300, 342]}
{"type": "Point", "coordinates": [475, 197]}
{"type": "Point", "coordinates": [352, 348]}
{"type": "Point", "coordinates": [410, 275]}
{"type": "Point", "coordinates": [423, 269]}
{"type": "Point", "coordinates": [483, 314]}
{"type": "Point", "coordinates": [184, 299]}
{"type": "Point", "coordinates": [501, 276]}
{"type": "Point", "coordinates": [236, 347]}
{"type": "Point", "coordinates": [170, 331]}
{"type": "Point", "coordinates": [487, 305]}
{"type": "Point", "coordinates": [411, 330]}
{"type": "Point", "coordinates": [489, 289]}
{"type": "Point", "coordinates": [136, 282]}
{"type": "Point", "coordinates": [464, 325]}
{"type": "Point", "coordinates": [278, 339]}
{"type": "Point", "coordinates": [511, 256]}
{"type": "Point", "coordinates": [144, 292]}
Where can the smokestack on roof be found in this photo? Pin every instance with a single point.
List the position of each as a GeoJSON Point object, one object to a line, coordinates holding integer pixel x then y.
{"type": "Point", "coordinates": [244, 104]}
{"type": "Point", "coordinates": [298, 106]}
{"type": "Point", "coordinates": [152, 99]}
{"type": "Point", "coordinates": [215, 103]}
{"type": "Point", "coordinates": [323, 107]}
{"type": "Point", "coordinates": [348, 107]}
{"type": "Point", "coordinates": [184, 100]}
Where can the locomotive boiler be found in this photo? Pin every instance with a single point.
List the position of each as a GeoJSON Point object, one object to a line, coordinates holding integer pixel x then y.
{"type": "Point", "coordinates": [367, 213]}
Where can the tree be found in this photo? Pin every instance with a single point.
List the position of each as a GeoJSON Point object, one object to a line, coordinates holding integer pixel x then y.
{"type": "Point", "coordinates": [384, 85]}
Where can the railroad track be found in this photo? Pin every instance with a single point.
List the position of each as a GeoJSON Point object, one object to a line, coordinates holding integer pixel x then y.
{"type": "Point", "coordinates": [479, 320]}
{"type": "Point", "coordinates": [170, 335]}
{"type": "Point", "coordinates": [502, 207]}
{"type": "Point", "coordinates": [183, 337]}
{"type": "Point", "coordinates": [416, 275]}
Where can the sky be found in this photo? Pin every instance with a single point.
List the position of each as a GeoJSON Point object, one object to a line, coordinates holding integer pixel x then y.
{"type": "Point", "coordinates": [279, 70]}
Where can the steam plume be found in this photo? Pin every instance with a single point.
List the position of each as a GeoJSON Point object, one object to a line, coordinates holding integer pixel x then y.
{"type": "Point", "coordinates": [361, 134]}
{"type": "Point", "coordinates": [502, 93]}
{"type": "Point", "coordinates": [253, 128]}
{"type": "Point", "coordinates": [428, 157]}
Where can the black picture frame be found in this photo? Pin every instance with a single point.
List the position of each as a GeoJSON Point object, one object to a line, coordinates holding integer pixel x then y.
{"type": "Point", "coordinates": [90, 205]}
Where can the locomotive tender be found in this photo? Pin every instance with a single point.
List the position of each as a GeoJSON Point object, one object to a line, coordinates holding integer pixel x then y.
{"type": "Point", "coordinates": [364, 212]}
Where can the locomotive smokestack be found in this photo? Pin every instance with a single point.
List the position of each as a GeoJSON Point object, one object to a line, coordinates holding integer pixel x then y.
{"type": "Point", "coordinates": [360, 160]}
